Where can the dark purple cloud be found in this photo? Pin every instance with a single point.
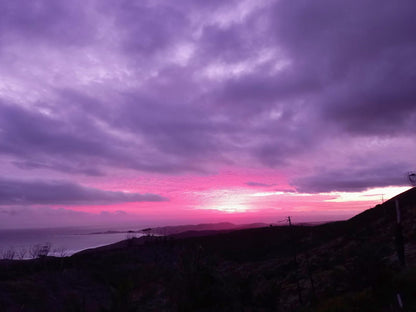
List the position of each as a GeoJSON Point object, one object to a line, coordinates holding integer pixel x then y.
{"type": "Point", "coordinates": [145, 28]}
{"type": "Point", "coordinates": [43, 141]}
{"type": "Point", "coordinates": [30, 130]}
{"type": "Point", "coordinates": [15, 192]}
{"type": "Point", "coordinates": [353, 179]}
{"type": "Point", "coordinates": [258, 184]}
{"type": "Point", "coordinates": [73, 168]}
{"type": "Point", "coordinates": [362, 53]}
{"type": "Point", "coordinates": [44, 217]}
{"type": "Point", "coordinates": [45, 22]}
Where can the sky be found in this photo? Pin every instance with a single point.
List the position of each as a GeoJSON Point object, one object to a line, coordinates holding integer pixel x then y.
{"type": "Point", "coordinates": [172, 112]}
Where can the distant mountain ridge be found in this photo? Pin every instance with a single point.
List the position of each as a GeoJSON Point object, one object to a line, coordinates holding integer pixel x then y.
{"type": "Point", "coordinates": [175, 229]}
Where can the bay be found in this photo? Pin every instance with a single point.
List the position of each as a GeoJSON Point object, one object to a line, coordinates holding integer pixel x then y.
{"type": "Point", "coordinates": [63, 241]}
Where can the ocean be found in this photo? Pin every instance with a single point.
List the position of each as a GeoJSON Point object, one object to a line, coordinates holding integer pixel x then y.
{"type": "Point", "coordinates": [63, 241]}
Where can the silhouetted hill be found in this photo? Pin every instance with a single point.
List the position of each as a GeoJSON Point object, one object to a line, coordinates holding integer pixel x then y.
{"type": "Point", "coordinates": [348, 265]}
{"type": "Point", "coordinates": [169, 230]}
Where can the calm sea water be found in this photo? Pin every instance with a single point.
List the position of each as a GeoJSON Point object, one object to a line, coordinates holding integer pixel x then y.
{"type": "Point", "coordinates": [64, 241]}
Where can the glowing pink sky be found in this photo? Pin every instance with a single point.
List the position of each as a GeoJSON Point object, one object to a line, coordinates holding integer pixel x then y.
{"type": "Point", "coordinates": [169, 112]}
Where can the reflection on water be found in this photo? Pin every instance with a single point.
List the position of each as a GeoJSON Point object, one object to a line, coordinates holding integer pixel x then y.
{"type": "Point", "coordinates": [64, 241]}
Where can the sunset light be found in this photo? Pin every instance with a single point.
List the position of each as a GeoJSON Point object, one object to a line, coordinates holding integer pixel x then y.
{"type": "Point", "coordinates": [207, 155]}
{"type": "Point", "coordinates": [227, 201]}
{"type": "Point", "coordinates": [128, 112]}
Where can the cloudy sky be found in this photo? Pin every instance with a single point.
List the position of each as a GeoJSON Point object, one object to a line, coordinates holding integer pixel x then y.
{"type": "Point", "coordinates": [194, 110]}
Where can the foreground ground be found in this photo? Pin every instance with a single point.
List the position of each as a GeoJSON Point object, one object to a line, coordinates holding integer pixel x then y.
{"type": "Point", "coordinates": [342, 266]}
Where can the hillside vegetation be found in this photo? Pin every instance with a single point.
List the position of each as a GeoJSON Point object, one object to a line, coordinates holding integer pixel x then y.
{"type": "Point", "coordinates": [349, 265]}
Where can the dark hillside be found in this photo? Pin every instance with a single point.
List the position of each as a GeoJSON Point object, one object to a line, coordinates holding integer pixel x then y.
{"type": "Point", "coordinates": [341, 266]}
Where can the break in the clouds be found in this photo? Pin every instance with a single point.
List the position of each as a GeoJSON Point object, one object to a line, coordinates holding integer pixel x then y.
{"type": "Point", "coordinates": [318, 92]}
{"type": "Point", "coordinates": [64, 193]}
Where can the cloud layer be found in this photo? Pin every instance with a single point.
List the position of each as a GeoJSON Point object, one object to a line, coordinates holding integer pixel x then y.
{"type": "Point", "coordinates": [64, 193]}
{"type": "Point", "coordinates": [321, 92]}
